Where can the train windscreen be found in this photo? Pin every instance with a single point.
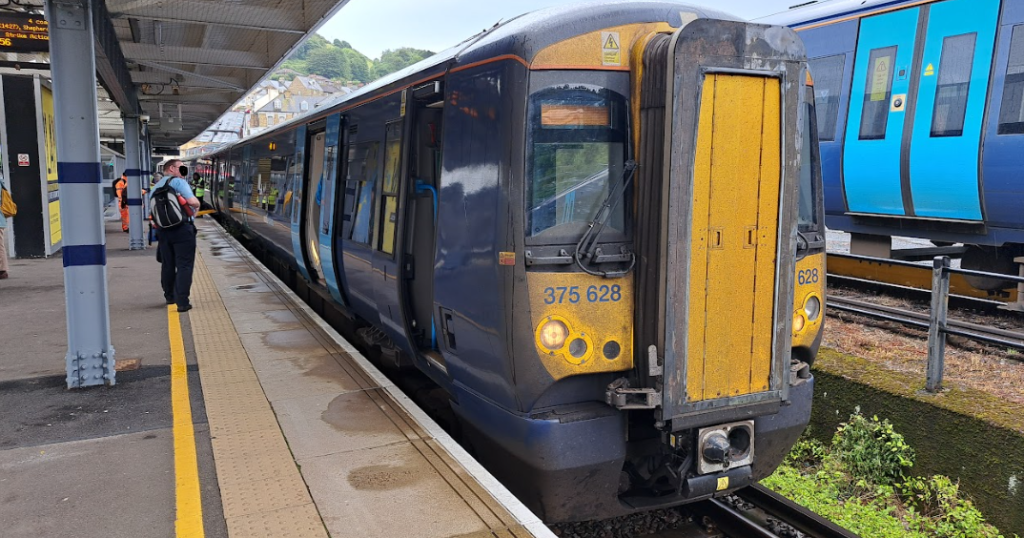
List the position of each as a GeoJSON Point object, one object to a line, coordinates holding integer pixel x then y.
{"type": "Point", "coordinates": [577, 149]}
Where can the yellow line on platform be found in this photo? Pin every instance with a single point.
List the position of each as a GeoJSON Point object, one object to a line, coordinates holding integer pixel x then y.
{"type": "Point", "coordinates": [188, 520]}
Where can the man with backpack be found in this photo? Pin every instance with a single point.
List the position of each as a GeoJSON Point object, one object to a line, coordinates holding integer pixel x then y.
{"type": "Point", "coordinates": [172, 206]}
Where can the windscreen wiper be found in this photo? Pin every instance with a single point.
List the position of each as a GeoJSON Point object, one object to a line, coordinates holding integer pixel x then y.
{"type": "Point", "coordinates": [587, 244]}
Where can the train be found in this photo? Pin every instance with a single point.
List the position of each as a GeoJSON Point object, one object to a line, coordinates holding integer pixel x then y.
{"type": "Point", "coordinates": [920, 120]}
{"type": "Point", "coordinates": [598, 229]}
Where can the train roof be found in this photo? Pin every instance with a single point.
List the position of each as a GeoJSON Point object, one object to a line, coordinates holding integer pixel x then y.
{"type": "Point", "coordinates": [523, 36]}
{"type": "Point", "coordinates": [824, 11]}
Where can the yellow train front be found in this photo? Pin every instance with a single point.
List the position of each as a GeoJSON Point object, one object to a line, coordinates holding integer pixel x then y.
{"type": "Point", "coordinates": [597, 227]}
{"type": "Point", "coordinates": [672, 295]}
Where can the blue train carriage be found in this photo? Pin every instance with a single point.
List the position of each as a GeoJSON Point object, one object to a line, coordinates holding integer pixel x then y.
{"type": "Point", "coordinates": [597, 228]}
{"type": "Point", "coordinates": [920, 117]}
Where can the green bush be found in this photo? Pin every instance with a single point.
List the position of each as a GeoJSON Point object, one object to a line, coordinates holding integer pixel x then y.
{"type": "Point", "coordinates": [937, 500]}
{"type": "Point", "coordinates": [872, 450]}
{"type": "Point", "coordinates": [860, 482]}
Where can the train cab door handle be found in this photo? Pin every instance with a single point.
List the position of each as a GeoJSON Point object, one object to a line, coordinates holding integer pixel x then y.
{"type": "Point", "coordinates": [448, 329]}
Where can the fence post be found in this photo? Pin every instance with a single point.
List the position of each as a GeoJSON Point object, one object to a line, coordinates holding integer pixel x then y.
{"type": "Point", "coordinates": [937, 323]}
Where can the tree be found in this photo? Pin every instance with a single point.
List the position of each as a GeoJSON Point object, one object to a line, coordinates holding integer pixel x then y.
{"type": "Point", "coordinates": [394, 60]}
{"type": "Point", "coordinates": [358, 65]}
{"type": "Point", "coordinates": [341, 44]}
{"type": "Point", "coordinates": [315, 42]}
{"type": "Point", "coordinates": [329, 62]}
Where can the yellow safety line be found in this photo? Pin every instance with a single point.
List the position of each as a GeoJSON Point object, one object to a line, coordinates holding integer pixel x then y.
{"type": "Point", "coordinates": [188, 521]}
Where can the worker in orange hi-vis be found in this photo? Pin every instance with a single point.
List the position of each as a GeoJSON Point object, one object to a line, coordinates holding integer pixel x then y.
{"type": "Point", "coordinates": [121, 191]}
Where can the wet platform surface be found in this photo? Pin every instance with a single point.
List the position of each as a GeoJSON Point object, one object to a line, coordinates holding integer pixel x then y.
{"type": "Point", "coordinates": [294, 432]}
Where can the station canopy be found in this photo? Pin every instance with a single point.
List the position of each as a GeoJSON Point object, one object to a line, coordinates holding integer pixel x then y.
{"type": "Point", "coordinates": [185, 62]}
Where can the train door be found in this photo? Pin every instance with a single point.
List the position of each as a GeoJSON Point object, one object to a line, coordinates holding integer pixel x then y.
{"type": "Point", "coordinates": [876, 122]}
{"type": "Point", "coordinates": [950, 105]}
{"type": "Point", "coordinates": [385, 255]}
{"type": "Point", "coordinates": [311, 204]}
{"type": "Point", "coordinates": [293, 198]}
{"type": "Point", "coordinates": [423, 171]}
{"type": "Point", "coordinates": [358, 234]}
{"type": "Point", "coordinates": [325, 196]}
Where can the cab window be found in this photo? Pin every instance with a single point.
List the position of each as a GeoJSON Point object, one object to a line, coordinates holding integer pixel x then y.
{"type": "Point", "coordinates": [808, 215]}
{"type": "Point", "coordinates": [577, 146]}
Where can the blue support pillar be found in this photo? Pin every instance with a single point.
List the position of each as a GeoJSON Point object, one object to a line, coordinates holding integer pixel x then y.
{"type": "Point", "coordinates": [133, 168]}
{"type": "Point", "coordinates": [90, 356]}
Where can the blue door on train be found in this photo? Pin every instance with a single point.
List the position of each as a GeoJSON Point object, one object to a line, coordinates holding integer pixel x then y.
{"type": "Point", "coordinates": [946, 145]}
{"type": "Point", "coordinates": [298, 202]}
{"type": "Point", "coordinates": [917, 103]}
{"type": "Point", "coordinates": [877, 119]}
{"type": "Point", "coordinates": [325, 198]}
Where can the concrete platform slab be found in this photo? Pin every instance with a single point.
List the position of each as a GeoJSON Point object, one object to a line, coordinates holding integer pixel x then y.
{"type": "Point", "coordinates": [271, 320]}
{"type": "Point", "coordinates": [295, 377]}
{"type": "Point", "coordinates": [331, 423]}
{"type": "Point", "coordinates": [57, 490]}
{"type": "Point", "coordinates": [375, 482]}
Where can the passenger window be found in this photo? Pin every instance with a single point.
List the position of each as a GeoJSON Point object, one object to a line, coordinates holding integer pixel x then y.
{"type": "Point", "coordinates": [875, 114]}
{"type": "Point", "coordinates": [1011, 113]}
{"type": "Point", "coordinates": [392, 170]}
{"type": "Point", "coordinates": [954, 84]}
{"type": "Point", "coordinates": [827, 73]}
{"type": "Point", "coordinates": [363, 165]}
{"type": "Point", "coordinates": [330, 172]}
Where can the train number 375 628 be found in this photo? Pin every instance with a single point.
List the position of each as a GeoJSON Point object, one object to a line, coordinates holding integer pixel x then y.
{"type": "Point", "coordinates": [807, 276]}
{"type": "Point", "coordinates": [573, 294]}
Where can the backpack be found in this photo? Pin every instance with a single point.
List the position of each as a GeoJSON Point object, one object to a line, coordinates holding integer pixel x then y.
{"type": "Point", "coordinates": [164, 207]}
{"type": "Point", "coordinates": [7, 206]}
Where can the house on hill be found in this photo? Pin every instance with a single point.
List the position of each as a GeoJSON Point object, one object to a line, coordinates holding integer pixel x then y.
{"type": "Point", "coordinates": [282, 109]}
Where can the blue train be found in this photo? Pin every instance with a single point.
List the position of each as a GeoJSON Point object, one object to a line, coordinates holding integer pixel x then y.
{"type": "Point", "coordinates": [921, 120]}
{"type": "Point", "coordinates": [597, 228]}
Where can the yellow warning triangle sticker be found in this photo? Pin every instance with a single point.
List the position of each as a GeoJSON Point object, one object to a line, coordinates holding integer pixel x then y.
{"type": "Point", "coordinates": [929, 71]}
{"type": "Point", "coordinates": [610, 43]}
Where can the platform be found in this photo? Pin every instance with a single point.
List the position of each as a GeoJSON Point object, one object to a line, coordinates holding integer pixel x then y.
{"type": "Point", "coordinates": [248, 417]}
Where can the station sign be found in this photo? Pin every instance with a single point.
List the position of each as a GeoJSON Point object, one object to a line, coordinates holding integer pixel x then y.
{"type": "Point", "coordinates": [23, 32]}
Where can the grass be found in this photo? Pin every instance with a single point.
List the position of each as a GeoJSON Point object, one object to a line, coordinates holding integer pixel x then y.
{"type": "Point", "coordinates": [861, 481]}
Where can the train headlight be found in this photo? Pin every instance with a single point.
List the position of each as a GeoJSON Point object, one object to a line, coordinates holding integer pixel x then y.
{"type": "Point", "coordinates": [798, 322]}
{"type": "Point", "coordinates": [553, 334]}
{"type": "Point", "coordinates": [812, 308]}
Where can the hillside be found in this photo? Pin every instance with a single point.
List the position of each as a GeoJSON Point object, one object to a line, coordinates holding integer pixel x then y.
{"type": "Point", "coordinates": [339, 61]}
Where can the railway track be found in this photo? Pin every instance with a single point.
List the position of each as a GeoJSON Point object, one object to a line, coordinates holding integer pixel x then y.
{"type": "Point", "coordinates": [861, 271]}
{"type": "Point", "coordinates": [973, 331]}
{"type": "Point", "coordinates": [761, 513]}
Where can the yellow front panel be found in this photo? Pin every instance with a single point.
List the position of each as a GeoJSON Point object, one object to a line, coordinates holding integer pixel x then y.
{"type": "Point", "coordinates": [810, 282]}
{"type": "Point", "coordinates": [734, 236]}
{"type": "Point", "coordinates": [596, 310]}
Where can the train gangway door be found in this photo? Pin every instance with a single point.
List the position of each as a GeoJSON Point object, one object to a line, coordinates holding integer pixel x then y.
{"type": "Point", "coordinates": [950, 108]}
{"type": "Point", "coordinates": [872, 175]}
{"type": "Point", "coordinates": [729, 256]}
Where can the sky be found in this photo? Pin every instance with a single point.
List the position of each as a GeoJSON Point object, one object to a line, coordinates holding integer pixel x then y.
{"type": "Point", "coordinates": [372, 26]}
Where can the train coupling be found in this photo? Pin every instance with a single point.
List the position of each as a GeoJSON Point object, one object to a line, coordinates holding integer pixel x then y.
{"type": "Point", "coordinates": [621, 396]}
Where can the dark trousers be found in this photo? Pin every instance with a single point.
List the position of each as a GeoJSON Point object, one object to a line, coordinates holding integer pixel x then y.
{"type": "Point", "coordinates": [178, 257]}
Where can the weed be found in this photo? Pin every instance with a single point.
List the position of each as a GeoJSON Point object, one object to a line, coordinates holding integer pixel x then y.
{"type": "Point", "coordinates": [872, 450]}
{"type": "Point", "coordinates": [861, 483]}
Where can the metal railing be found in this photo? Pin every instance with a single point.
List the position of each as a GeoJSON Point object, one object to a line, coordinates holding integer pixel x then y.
{"type": "Point", "coordinates": [938, 322]}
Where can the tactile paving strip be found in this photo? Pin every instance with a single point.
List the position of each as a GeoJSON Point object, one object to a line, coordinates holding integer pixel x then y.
{"type": "Point", "coordinates": [262, 491]}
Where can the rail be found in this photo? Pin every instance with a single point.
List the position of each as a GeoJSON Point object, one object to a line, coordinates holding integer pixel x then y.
{"type": "Point", "coordinates": [937, 322]}
{"type": "Point", "coordinates": [732, 521]}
